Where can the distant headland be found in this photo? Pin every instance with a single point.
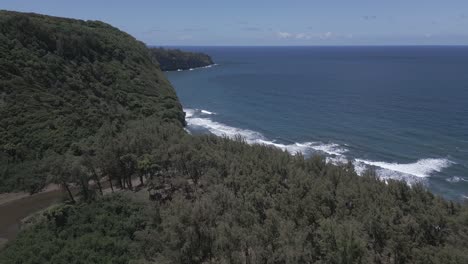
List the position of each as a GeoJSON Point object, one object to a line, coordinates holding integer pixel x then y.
{"type": "Point", "coordinates": [175, 59]}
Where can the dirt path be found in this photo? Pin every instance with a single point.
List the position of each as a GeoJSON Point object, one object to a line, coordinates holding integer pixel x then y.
{"type": "Point", "coordinates": [16, 206]}
{"type": "Point", "coordinates": [10, 197]}
{"type": "Point", "coordinates": [14, 210]}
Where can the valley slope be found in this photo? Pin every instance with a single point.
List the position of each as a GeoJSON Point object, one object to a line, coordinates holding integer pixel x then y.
{"type": "Point", "coordinates": [84, 104]}
{"type": "Point", "coordinates": [60, 81]}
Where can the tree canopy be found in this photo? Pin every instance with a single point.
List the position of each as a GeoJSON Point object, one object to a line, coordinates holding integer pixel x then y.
{"type": "Point", "coordinates": [207, 199]}
{"type": "Point", "coordinates": [60, 80]}
{"type": "Point", "coordinates": [175, 59]}
{"type": "Point", "coordinates": [113, 123]}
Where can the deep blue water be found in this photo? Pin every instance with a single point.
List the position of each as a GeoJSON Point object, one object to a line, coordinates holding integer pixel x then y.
{"type": "Point", "coordinates": [403, 110]}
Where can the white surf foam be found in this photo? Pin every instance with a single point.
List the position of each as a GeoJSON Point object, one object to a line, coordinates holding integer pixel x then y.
{"type": "Point", "coordinates": [195, 118]}
{"type": "Point", "coordinates": [360, 167]}
{"type": "Point", "coordinates": [456, 179]}
{"type": "Point", "coordinates": [336, 154]}
{"type": "Point", "coordinates": [337, 160]}
{"type": "Point", "coordinates": [422, 168]}
{"type": "Point", "coordinates": [332, 149]}
{"type": "Point", "coordinates": [207, 112]}
{"type": "Point", "coordinates": [196, 68]}
{"type": "Point", "coordinates": [221, 129]}
{"type": "Point", "coordinates": [205, 67]}
{"type": "Point", "coordinates": [189, 113]}
{"type": "Point", "coordinates": [209, 66]}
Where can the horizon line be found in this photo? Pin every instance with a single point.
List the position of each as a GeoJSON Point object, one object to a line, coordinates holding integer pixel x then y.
{"type": "Point", "coordinates": [347, 45]}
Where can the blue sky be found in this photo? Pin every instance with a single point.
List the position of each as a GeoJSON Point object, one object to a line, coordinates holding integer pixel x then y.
{"type": "Point", "coordinates": [292, 22]}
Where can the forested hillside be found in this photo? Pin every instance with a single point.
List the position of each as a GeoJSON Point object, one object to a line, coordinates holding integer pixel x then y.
{"type": "Point", "coordinates": [100, 112]}
{"type": "Point", "coordinates": [175, 59]}
{"type": "Point", "coordinates": [60, 81]}
{"type": "Point", "coordinates": [213, 200]}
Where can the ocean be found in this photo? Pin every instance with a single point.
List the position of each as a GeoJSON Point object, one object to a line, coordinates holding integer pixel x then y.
{"type": "Point", "coordinates": [402, 111]}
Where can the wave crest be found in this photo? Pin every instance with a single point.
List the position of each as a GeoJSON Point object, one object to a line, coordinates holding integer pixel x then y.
{"type": "Point", "coordinates": [195, 118]}
{"type": "Point", "coordinates": [422, 168]}
{"type": "Point", "coordinates": [335, 153]}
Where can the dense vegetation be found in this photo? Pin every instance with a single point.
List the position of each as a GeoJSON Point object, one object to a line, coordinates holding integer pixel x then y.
{"type": "Point", "coordinates": [216, 200]}
{"type": "Point", "coordinates": [60, 80]}
{"type": "Point", "coordinates": [175, 59]}
{"type": "Point", "coordinates": [100, 232]}
{"type": "Point", "coordinates": [205, 199]}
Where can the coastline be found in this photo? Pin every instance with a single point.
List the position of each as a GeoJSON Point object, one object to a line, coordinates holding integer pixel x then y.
{"type": "Point", "coordinates": [345, 118]}
{"type": "Point", "coordinates": [196, 68]}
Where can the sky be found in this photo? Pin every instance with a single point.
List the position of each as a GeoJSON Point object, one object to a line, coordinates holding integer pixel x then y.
{"type": "Point", "coordinates": [273, 22]}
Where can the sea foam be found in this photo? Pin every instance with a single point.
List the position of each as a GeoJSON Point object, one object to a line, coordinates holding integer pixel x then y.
{"type": "Point", "coordinates": [456, 179]}
{"type": "Point", "coordinates": [411, 173]}
{"type": "Point", "coordinates": [197, 118]}
{"type": "Point", "coordinates": [335, 153]}
{"type": "Point", "coordinates": [189, 113]}
{"type": "Point", "coordinates": [207, 112]}
{"type": "Point", "coordinates": [422, 168]}
{"type": "Point", "coordinates": [196, 68]}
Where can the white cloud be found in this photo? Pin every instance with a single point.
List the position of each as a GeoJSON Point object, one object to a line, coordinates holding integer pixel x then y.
{"type": "Point", "coordinates": [288, 35]}
{"type": "Point", "coordinates": [303, 36]}
{"type": "Point", "coordinates": [284, 35]}
{"type": "Point", "coordinates": [306, 36]}
{"type": "Point", "coordinates": [326, 35]}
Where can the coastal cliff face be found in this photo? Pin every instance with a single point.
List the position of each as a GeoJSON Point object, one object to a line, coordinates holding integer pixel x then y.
{"type": "Point", "coordinates": [61, 80]}
{"type": "Point", "coordinates": [175, 59]}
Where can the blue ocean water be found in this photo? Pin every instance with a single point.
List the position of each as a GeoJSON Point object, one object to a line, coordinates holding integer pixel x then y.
{"type": "Point", "coordinates": [401, 110]}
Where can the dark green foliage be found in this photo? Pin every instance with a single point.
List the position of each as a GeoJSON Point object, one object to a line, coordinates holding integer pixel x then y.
{"type": "Point", "coordinates": [223, 201]}
{"type": "Point", "coordinates": [175, 59]}
{"type": "Point", "coordinates": [99, 232]}
{"type": "Point", "coordinates": [211, 199]}
{"type": "Point", "coordinates": [60, 80]}
{"type": "Point", "coordinates": [216, 200]}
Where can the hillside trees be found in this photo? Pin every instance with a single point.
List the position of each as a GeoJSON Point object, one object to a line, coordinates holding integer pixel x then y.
{"type": "Point", "coordinates": [218, 200]}
{"type": "Point", "coordinates": [175, 59]}
{"type": "Point", "coordinates": [222, 200]}
{"type": "Point", "coordinates": [98, 232]}
{"type": "Point", "coordinates": [61, 80]}
{"type": "Point", "coordinates": [83, 104]}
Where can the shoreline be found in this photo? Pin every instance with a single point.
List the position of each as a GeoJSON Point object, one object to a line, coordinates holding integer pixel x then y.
{"type": "Point", "coordinates": [196, 68]}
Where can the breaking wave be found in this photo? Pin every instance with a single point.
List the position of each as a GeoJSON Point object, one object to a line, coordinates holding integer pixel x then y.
{"type": "Point", "coordinates": [335, 153]}
{"type": "Point", "coordinates": [422, 168]}
{"type": "Point", "coordinates": [207, 112]}
{"type": "Point", "coordinates": [456, 179]}
{"type": "Point", "coordinates": [197, 118]}
{"type": "Point", "coordinates": [196, 68]}
{"type": "Point", "coordinates": [409, 172]}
